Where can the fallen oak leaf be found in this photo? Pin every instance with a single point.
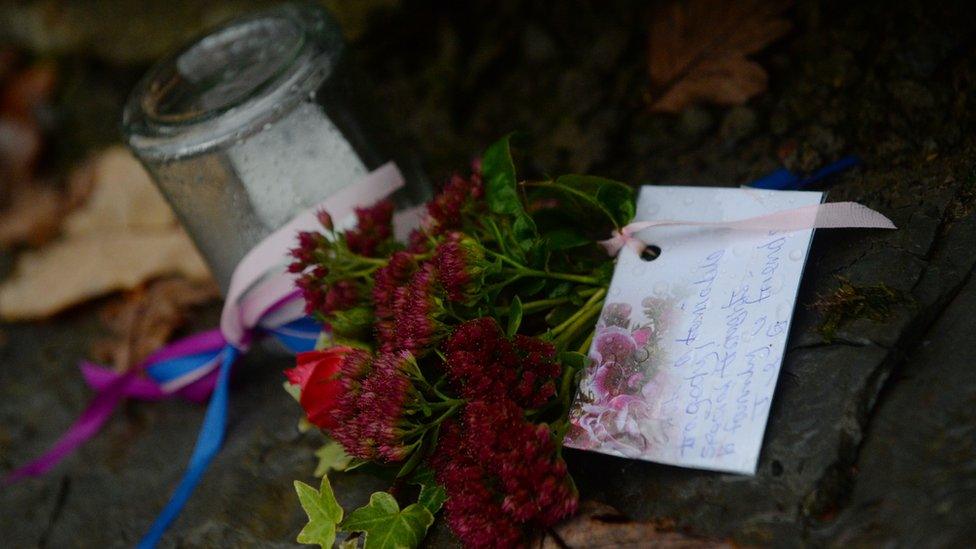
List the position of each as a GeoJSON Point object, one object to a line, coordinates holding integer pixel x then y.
{"type": "Point", "coordinates": [69, 272]}
{"type": "Point", "coordinates": [599, 525]}
{"type": "Point", "coordinates": [123, 198]}
{"type": "Point", "coordinates": [697, 51]}
{"type": "Point", "coordinates": [145, 319]}
{"type": "Point", "coordinates": [122, 236]}
{"type": "Point", "coordinates": [32, 215]}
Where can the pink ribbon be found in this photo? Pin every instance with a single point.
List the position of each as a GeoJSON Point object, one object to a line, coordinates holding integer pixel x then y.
{"type": "Point", "coordinates": [237, 318]}
{"type": "Point", "coordinates": [833, 215]}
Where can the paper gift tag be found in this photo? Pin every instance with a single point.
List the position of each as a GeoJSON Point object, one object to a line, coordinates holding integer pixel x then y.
{"type": "Point", "coordinates": [689, 345]}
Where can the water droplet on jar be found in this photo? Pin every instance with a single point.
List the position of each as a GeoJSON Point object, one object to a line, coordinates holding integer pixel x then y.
{"type": "Point", "coordinates": [661, 288]}
{"type": "Point", "coordinates": [796, 255]}
{"type": "Point", "coordinates": [688, 201]}
{"type": "Point", "coordinates": [652, 209]}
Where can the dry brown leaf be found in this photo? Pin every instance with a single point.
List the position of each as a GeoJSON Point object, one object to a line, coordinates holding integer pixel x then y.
{"type": "Point", "coordinates": [122, 236]}
{"type": "Point", "coordinates": [599, 525]}
{"type": "Point", "coordinates": [697, 51]}
{"type": "Point", "coordinates": [30, 211]}
{"type": "Point", "coordinates": [146, 318]}
{"type": "Point", "coordinates": [32, 215]}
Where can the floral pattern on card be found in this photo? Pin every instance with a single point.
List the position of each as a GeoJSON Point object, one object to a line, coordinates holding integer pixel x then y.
{"type": "Point", "coordinates": [618, 399]}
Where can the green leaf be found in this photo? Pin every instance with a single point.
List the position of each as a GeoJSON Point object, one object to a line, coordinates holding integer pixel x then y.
{"type": "Point", "coordinates": [614, 197]}
{"type": "Point", "coordinates": [573, 360]}
{"type": "Point", "coordinates": [501, 192]}
{"type": "Point", "coordinates": [432, 496]}
{"type": "Point", "coordinates": [332, 457]}
{"type": "Point", "coordinates": [387, 526]}
{"type": "Point", "coordinates": [514, 316]}
{"type": "Point", "coordinates": [323, 513]}
{"type": "Point", "coordinates": [294, 391]}
{"type": "Point", "coordinates": [560, 290]}
{"type": "Point", "coordinates": [584, 199]}
{"type": "Point", "coordinates": [565, 239]}
{"type": "Point", "coordinates": [531, 286]}
{"type": "Point", "coordinates": [498, 171]}
{"type": "Point", "coordinates": [415, 457]}
{"type": "Point", "coordinates": [356, 463]}
{"type": "Point", "coordinates": [355, 323]}
{"type": "Point", "coordinates": [524, 231]}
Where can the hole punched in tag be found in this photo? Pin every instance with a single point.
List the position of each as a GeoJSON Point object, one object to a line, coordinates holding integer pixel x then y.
{"type": "Point", "coordinates": [651, 253]}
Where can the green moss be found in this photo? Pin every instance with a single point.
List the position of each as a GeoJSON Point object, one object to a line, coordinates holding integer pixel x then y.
{"type": "Point", "coordinates": [848, 302]}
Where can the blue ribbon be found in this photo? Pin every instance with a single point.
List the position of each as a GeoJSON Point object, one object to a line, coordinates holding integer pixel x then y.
{"type": "Point", "coordinates": [783, 179]}
{"type": "Point", "coordinates": [297, 336]}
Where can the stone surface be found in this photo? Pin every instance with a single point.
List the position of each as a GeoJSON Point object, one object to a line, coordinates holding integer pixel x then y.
{"type": "Point", "coordinates": [870, 439]}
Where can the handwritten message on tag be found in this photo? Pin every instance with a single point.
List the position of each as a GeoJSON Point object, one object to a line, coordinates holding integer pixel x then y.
{"type": "Point", "coordinates": [688, 346]}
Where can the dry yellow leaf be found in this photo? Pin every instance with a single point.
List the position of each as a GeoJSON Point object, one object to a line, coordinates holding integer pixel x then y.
{"type": "Point", "coordinates": [122, 236]}
{"type": "Point", "coordinates": [123, 196]}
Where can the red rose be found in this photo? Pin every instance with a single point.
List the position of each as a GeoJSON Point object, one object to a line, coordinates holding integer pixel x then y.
{"type": "Point", "coordinates": [318, 374]}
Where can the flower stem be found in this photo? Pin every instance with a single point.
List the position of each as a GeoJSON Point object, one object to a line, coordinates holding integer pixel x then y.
{"type": "Point", "coordinates": [583, 322]}
{"type": "Point", "coordinates": [585, 346]}
{"type": "Point", "coordinates": [534, 306]}
{"type": "Point", "coordinates": [526, 271]}
{"type": "Point", "coordinates": [569, 277]}
{"type": "Point", "coordinates": [583, 311]}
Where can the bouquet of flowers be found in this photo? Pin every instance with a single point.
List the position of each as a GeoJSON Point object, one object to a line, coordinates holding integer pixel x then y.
{"type": "Point", "coordinates": [450, 362]}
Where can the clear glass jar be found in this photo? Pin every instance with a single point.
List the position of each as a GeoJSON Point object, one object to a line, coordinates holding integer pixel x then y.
{"type": "Point", "coordinates": [254, 122]}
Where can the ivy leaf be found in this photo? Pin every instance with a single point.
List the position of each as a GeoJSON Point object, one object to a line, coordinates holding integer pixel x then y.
{"type": "Point", "coordinates": [387, 526]}
{"type": "Point", "coordinates": [332, 457]}
{"type": "Point", "coordinates": [432, 495]}
{"type": "Point", "coordinates": [514, 316]}
{"type": "Point", "coordinates": [323, 513]}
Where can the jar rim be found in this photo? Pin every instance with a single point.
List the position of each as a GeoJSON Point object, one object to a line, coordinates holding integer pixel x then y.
{"type": "Point", "coordinates": [232, 81]}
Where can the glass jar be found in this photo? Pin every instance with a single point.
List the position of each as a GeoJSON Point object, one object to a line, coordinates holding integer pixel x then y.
{"type": "Point", "coordinates": [255, 122]}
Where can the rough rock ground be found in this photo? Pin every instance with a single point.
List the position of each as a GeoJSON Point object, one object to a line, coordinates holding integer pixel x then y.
{"type": "Point", "coordinates": [872, 436]}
